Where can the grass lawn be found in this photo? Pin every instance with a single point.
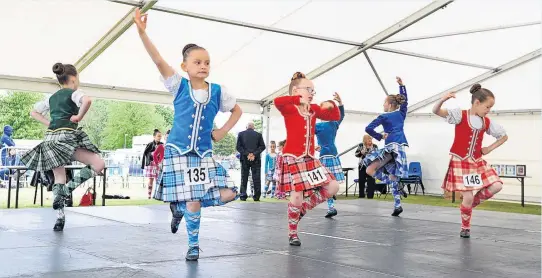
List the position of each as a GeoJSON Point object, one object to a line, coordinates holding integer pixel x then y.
{"type": "Point", "coordinates": [441, 202]}
{"type": "Point", "coordinates": [412, 199]}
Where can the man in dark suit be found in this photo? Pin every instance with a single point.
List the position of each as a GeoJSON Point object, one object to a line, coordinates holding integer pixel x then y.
{"type": "Point", "coordinates": [250, 145]}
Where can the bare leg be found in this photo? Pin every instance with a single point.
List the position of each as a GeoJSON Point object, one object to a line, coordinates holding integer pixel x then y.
{"type": "Point", "coordinates": [377, 164]}
{"type": "Point", "coordinates": [89, 158]}
{"type": "Point", "coordinates": [94, 165]}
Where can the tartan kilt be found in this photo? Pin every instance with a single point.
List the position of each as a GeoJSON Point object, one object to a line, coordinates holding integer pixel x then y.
{"type": "Point", "coordinates": [397, 166]}
{"type": "Point", "coordinates": [171, 183]}
{"type": "Point", "coordinates": [278, 168]}
{"type": "Point", "coordinates": [333, 164]}
{"type": "Point", "coordinates": [57, 149]}
{"type": "Point", "coordinates": [292, 178]}
{"type": "Point", "coordinates": [151, 170]}
{"type": "Point", "coordinates": [270, 175]}
{"type": "Point", "coordinates": [457, 168]}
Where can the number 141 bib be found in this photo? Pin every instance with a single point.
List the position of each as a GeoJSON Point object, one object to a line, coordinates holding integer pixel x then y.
{"type": "Point", "coordinates": [316, 176]}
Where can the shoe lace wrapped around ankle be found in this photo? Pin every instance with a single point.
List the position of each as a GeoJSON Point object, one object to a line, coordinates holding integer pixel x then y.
{"type": "Point", "coordinates": [194, 250]}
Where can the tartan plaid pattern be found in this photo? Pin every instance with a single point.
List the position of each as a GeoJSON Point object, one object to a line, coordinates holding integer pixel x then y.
{"type": "Point", "coordinates": [270, 174]}
{"type": "Point", "coordinates": [278, 167]}
{"type": "Point", "coordinates": [333, 164]}
{"type": "Point", "coordinates": [291, 176]}
{"type": "Point", "coordinates": [151, 171]}
{"type": "Point", "coordinates": [397, 166]}
{"type": "Point", "coordinates": [171, 184]}
{"type": "Point", "coordinates": [57, 149]}
{"type": "Point", "coordinates": [457, 168]}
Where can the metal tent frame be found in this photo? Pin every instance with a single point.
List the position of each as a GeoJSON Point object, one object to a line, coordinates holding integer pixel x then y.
{"type": "Point", "coordinates": [263, 106]}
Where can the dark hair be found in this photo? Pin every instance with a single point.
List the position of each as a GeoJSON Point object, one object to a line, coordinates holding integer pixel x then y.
{"type": "Point", "coordinates": [480, 94]}
{"type": "Point", "coordinates": [63, 72]}
{"type": "Point", "coordinates": [273, 142]}
{"type": "Point", "coordinates": [296, 79]}
{"type": "Point", "coordinates": [282, 143]}
{"type": "Point", "coordinates": [156, 131]}
{"type": "Point", "coordinates": [396, 100]}
{"type": "Point", "coordinates": [188, 48]}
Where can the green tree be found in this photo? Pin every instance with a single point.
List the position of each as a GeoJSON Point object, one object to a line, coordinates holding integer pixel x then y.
{"type": "Point", "coordinates": [258, 125]}
{"type": "Point", "coordinates": [226, 146]}
{"type": "Point", "coordinates": [129, 119]}
{"type": "Point", "coordinates": [15, 110]}
{"type": "Point", "coordinates": [94, 121]}
{"type": "Point", "coordinates": [166, 113]}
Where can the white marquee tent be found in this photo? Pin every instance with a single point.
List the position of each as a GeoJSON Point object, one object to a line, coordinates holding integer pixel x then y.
{"type": "Point", "coordinates": [352, 47]}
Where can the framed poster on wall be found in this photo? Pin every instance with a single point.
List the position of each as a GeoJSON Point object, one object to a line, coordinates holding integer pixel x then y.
{"type": "Point", "coordinates": [521, 170]}
{"type": "Point", "coordinates": [510, 170]}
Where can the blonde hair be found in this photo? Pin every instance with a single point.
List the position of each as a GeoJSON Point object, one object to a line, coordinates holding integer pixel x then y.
{"type": "Point", "coordinates": [396, 100]}
{"type": "Point", "coordinates": [366, 138]}
{"type": "Point", "coordinates": [296, 79]}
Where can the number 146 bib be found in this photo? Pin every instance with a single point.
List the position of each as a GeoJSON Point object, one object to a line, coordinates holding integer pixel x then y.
{"type": "Point", "coordinates": [472, 180]}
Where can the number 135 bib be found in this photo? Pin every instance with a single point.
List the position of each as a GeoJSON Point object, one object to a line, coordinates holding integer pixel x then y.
{"type": "Point", "coordinates": [196, 175]}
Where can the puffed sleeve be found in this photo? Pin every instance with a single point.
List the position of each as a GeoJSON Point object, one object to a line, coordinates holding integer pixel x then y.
{"type": "Point", "coordinates": [42, 107]}
{"type": "Point", "coordinates": [227, 101]}
{"type": "Point", "coordinates": [174, 82]}
{"type": "Point", "coordinates": [495, 130]}
{"type": "Point", "coordinates": [454, 116]}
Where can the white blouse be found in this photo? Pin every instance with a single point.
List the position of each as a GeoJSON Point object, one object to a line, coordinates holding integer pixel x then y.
{"type": "Point", "coordinates": [227, 101]}
{"type": "Point", "coordinates": [42, 107]}
{"type": "Point", "coordinates": [495, 130]}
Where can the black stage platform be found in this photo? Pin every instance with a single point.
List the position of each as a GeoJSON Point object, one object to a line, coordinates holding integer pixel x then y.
{"type": "Point", "coordinates": [250, 240]}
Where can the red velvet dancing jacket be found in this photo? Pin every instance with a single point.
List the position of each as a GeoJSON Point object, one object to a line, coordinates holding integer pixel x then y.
{"type": "Point", "coordinates": [468, 141]}
{"type": "Point", "coordinates": [299, 128]}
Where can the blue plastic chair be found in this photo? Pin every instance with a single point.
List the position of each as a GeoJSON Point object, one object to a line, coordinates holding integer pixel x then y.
{"type": "Point", "coordinates": [415, 176]}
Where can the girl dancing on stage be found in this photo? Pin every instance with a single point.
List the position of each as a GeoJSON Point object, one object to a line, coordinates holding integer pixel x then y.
{"type": "Point", "coordinates": [190, 178]}
{"type": "Point", "coordinates": [325, 134]}
{"type": "Point", "coordinates": [64, 142]}
{"type": "Point", "coordinates": [299, 170]}
{"type": "Point", "coordinates": [389, 164]}
{"type": "Point", "coordinates": [467, 170]}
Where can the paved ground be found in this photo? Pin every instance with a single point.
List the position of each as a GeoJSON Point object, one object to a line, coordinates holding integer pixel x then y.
{"type": "Point", "coordinates": [250, 240]}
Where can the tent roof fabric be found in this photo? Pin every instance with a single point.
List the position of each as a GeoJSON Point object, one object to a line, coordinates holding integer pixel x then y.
{"type": "Point", "coordinates": [355, 48]}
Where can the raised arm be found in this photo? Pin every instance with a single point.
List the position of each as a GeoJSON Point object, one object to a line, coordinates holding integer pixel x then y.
{"type": "Point", "coordinates": [403, 92]}
{"type": "Point", "coordinates": [341, 111]}
{"type": "Point", "coordinates": [287, 104]}
{"type": "Point", "coordinates": [327, 111]}
{"type": "Point", "coordinates": [141, 23]}
{"type": "Point", "coordinates": [370, 129]}
{"type": "Point", "coordinates": [337, 98]}
{"type": "Point", "coordinates": [437, 110]}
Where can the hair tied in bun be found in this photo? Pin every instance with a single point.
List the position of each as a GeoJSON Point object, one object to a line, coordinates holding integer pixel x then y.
{"type": "Point", "coordinates": [475, 88]}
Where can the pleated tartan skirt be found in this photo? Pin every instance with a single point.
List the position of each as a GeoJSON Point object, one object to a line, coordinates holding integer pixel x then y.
{"type": "Point", "coordinates": [57, 149]}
